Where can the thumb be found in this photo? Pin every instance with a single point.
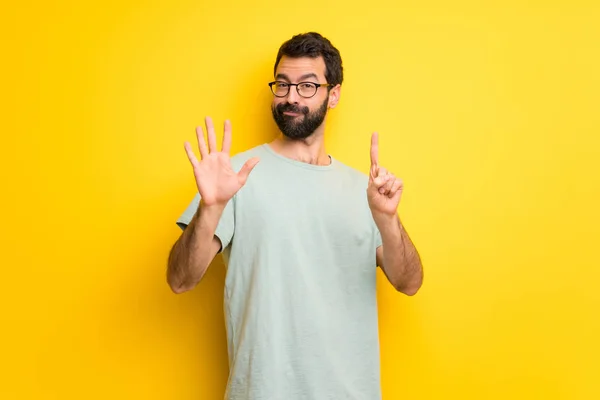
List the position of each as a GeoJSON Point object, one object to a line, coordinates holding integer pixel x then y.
{"type": "Point", "coordinates": [373, 172]}
{"type": "Point", "coordinates": [246, 169]}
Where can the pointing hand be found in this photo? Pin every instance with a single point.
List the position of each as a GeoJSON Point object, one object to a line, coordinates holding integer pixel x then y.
{"type": "Point", "coordinates": [384, 190]}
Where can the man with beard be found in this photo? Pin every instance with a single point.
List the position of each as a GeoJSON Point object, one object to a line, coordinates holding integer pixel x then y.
{"type": "Point", "coordinates": [301, 235]}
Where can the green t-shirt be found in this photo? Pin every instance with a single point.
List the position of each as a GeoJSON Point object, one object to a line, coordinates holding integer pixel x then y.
{"type": "Point", "coordinates": [299, 242]}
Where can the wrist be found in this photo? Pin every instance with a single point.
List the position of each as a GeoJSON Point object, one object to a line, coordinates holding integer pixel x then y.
{"type": "Point", "coordinates": [387, 222]}
{"type": "Point", "coordinates": [209, 214]}
{"type": "Point", "coordinates": [216, 208]}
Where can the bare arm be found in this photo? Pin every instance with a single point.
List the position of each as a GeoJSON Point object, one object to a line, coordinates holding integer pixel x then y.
{"type": "Point", "coordinates": [195, 249]}
{"type": "Point", "coordinates": [217, 183]}
{"type": "Point", "coordinates": [398, 258]}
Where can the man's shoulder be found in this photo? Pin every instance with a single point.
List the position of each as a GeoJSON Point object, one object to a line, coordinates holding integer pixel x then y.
{"type": "Point", "coordinates": [239, 159]}
{"type": "Point", "coordinates": [352, 172]}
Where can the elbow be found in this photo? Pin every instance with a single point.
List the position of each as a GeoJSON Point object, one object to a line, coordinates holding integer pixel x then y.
{"type": "Point", "coordinates": [179, 286]}
{"type": "Point", "coordinates": [177, 289]}
{"type": "Point", "coordinates": [410, 285]}
{"type": "Point", "coordinates": [178, 279]}
{"type": "Point", "coordinates": [408, 288]}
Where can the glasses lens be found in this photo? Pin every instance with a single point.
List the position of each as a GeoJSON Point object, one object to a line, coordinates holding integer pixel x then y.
{"type": "Point", "coordinates": [280, 89]}
{"type": "Point", "coordinates": [307, 89]}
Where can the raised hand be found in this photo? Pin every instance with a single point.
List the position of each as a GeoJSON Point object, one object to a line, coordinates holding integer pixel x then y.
{"type": "Point", "coordinates": [384, 190]}
{"type": "Point", "coordinates": [217, 182]}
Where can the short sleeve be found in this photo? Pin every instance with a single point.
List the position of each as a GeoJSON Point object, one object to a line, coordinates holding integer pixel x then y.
{"type": "Point", "coordinates": [225, 227]}
{"type": "Point", "coordinates": [184, 219]}
{"type": "Point", "coordinates": [377, 236]}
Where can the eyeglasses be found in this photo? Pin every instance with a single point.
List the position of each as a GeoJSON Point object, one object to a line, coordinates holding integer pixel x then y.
{"type": "Point", "coordinates": [304, 89]}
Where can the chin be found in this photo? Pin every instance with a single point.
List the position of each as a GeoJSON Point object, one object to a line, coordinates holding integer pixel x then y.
{"type": "Point", "coordinates": [297, 137]}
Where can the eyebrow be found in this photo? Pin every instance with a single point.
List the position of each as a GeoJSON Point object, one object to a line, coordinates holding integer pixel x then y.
{"type": "Point", "coordinates": [303, 77]}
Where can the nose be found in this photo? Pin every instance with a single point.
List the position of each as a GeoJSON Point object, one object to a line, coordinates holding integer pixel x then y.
{"type": "Point", "coordinates": [292, 96]}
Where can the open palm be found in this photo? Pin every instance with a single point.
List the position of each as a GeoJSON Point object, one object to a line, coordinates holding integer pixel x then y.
{"type": "Point", "coordinates": [216, 180]}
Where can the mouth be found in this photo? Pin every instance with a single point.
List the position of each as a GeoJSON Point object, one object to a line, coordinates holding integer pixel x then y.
{"type": "Point", "coordinates": [291, 114]}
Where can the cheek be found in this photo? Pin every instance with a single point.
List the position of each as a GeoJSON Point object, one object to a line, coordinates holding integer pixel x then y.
{"type": "Point", "coordinates": [317, 103]}
{"type": "Point", "coordinates": [277, 101]}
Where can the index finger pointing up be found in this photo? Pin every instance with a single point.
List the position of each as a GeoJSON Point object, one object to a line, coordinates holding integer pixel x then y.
{"type": "Point", "coordinates": [374, 149]}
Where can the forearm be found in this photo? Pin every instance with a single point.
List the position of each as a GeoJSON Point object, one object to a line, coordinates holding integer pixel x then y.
{"type": "Point", "coordinates": [193, 252]}
{"type": "Point", "coordinates": [401, 261]}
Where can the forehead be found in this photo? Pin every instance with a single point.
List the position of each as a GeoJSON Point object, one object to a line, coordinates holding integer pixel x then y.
{"type": "Point", "coordinates": [295, 68]}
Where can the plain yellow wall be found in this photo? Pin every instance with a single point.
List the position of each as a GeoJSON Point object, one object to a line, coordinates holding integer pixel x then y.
{"type": "Point", "coordinates": [488, 112]}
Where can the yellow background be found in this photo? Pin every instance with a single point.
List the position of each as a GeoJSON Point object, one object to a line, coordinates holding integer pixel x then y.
{"type": "Point", "coordinates": [488, 112]}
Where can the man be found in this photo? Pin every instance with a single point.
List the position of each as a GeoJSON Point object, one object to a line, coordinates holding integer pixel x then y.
{"type": "Point", "coordinates": [302, 235]}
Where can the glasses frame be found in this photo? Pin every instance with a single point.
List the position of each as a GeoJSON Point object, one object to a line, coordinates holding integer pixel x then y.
{"type": "Point", "coordinates": [318, 85]}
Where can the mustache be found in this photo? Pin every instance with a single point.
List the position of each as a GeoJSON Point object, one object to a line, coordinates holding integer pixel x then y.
{"type": "Point", "coordinates": [287, 107]}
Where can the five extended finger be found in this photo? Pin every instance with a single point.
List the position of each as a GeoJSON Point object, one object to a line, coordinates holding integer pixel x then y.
{"type": "Point", "coordinates": [226, 137]}
{"type": "Point", "coordinates": [190, 154]}
{"type": "Point", "coordinates": [212, 139]}
{"type": "Point", "coordinates": [201, 142]}
{"type": "Point", "coordinates": [246, 169]}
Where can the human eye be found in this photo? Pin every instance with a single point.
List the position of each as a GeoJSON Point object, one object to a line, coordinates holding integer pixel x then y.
{"type": "Point", "coordinates": [307, 85]}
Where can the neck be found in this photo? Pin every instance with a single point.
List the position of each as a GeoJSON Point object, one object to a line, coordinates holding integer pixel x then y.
{"type": "Point", "coordinates": [310, 150]}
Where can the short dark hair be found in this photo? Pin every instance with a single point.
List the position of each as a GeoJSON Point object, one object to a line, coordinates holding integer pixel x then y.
{"type": "Point", "coordinates": [313, 45]}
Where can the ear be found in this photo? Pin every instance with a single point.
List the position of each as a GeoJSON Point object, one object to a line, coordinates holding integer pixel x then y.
{"type": "Point", "coordinates": [334, 96]}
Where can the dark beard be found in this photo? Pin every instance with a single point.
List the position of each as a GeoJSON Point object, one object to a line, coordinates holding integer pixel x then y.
{"type": "Point", "coordinates": [308, 124]}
